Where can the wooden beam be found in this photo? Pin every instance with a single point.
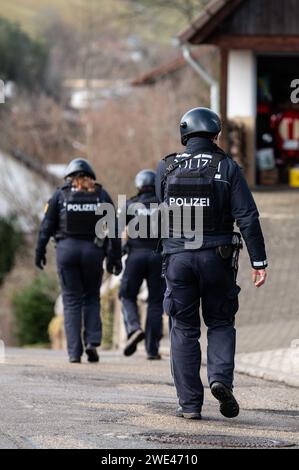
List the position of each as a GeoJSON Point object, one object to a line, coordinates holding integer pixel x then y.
{"type": "Point", "coordinates": [223, 96]}
{"type": "Point", "coordinates": [257, 43]}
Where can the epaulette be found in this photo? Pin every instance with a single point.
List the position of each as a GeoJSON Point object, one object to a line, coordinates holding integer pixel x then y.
{"type": "Point", "coordinates": [64, 186]}
{"type": "Point", "coordinates": [170, 155]}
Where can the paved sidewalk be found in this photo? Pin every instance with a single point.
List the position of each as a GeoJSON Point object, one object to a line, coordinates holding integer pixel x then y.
{"type": "Point", "coordinates": [281, 365]}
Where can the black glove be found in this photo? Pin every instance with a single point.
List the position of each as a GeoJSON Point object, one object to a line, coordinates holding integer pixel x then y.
{"type": "Point", "coordinates": [114, 266]}
{"type": "Point", "coordinates": [40, 260]}
{"type": "Point", "coordinates": [118, 267]}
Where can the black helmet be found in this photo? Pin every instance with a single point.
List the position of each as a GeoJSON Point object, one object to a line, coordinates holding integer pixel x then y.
{"type": "Point", "coordinates": [145, 178]}
{"type": "Point", "coordinates": [79, 165]}
{"type": "Point", "coordinates": [199, 121]}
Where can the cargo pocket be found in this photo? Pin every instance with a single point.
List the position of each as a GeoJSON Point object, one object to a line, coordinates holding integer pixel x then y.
{"type": "Point", "coordinates": [168, 304]}
{"type": "Point", "coordinates": [231, 303]}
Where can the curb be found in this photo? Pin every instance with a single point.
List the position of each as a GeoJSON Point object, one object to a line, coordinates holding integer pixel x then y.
{"type": "Point", "coordinates": [249, 364]}
{"type": "Point", "coordinates": [284, 366]}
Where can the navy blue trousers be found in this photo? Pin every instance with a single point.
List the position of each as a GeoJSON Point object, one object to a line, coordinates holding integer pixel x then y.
{"type": "Point", "coordinates": [200, 278]}
{"type": "Point", "coordinates": [144, 264]}
{"type": "Point", "coordinates": [80, 269]}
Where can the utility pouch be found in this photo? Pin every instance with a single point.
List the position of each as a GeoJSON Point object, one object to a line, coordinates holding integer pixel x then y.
{"type": "Point", "coordinates": [225, 251]}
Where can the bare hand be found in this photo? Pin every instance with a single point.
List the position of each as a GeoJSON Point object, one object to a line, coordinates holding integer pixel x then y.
{"type": "Point", "coordinates": [259, 277]}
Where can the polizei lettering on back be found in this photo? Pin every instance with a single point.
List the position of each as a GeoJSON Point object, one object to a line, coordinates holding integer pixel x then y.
{"type": "Point", "coordinates": [190, 201]}
{"type": "Point", "coordinates": [82, 207]}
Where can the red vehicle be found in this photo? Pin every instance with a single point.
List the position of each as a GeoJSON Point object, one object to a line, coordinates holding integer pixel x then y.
{"type": "Point", "coordinates": [285, 127]}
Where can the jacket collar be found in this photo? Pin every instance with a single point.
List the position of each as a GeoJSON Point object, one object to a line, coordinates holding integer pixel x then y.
{"type": "Point", "coordinates": [200, 144]}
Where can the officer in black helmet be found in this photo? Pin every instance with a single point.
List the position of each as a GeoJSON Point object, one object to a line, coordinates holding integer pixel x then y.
{"type": "Point", "coordinates": [206, 180]}
{"type": "Point", "coordinates": [70, 217]}
{"type": "Point", "coordinates": [143, 262]}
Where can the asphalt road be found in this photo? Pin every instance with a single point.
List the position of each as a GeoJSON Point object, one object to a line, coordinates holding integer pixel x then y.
{"type": "Point", "coordinates": [129, 403]}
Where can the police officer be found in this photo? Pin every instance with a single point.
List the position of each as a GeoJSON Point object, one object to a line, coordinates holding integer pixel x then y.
{"type": "Point", "coordinates": [207, 178]}
{"type": "Point", "coordinates": [143, 262]}
{"type": "Point", "coordinates": [70, 217]}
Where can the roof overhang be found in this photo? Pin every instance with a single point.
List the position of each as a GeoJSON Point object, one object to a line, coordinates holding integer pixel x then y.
{"type": "Point", "coordinates": [169, 68]}
{"type": "Point", "coordinates": [208, 21]}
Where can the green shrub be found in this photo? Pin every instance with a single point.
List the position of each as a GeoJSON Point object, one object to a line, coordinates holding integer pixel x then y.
{"type": "Point", "coordinates": [33, 309]}
{"type": "Point", "coordinates": [10, 240]}
{"type": "Point", "coordinates": [23, 59]}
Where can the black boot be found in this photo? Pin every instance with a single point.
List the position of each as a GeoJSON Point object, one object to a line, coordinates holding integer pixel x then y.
{"type": "Point", "coordinates": [75, 360]}
{"type": "Point", "coordinates": [154, 357]}
{"type": "Point", "coordinates": [132, 342]}
{"type": "Point", "coordinates": [228, 404]}
{"type": "Point", "coordinates": [92, 354]}
{"type": "Point", "coordinates": [187, 415]}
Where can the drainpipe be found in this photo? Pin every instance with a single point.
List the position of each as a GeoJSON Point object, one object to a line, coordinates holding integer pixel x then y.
{"type": "Point", "coordinates": [214, 85]}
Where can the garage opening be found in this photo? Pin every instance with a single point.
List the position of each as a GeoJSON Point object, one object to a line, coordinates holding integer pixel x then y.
{"type": "Point", "coordinates": [277, 121]}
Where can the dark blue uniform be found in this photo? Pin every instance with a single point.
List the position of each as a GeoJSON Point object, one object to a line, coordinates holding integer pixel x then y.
{"type": "Point", "coordinates": [143, 262]}
{"type": "Point", "coordinates": [70, 219]}
{"type": "Point", "coordinates": [201, 276]}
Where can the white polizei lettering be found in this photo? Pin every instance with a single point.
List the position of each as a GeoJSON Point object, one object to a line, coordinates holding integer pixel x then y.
{"type": "Point", "coordinates": [82, 207]}
{"type": "Point", "coordinates": [190, 202]}
{"type": "Point", "coordinates": [196, 162]}
{"type": "Point", "coordinates": [204, 202]}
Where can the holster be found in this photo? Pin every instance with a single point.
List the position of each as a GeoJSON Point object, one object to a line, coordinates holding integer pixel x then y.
{"type": "Point", "coordinates": [237, 247]}
{"type": "Point", "coordinates": [232, 251]}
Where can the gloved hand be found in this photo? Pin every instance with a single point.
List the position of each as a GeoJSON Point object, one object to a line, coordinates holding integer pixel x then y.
{"type": "Point", "coordinates": [40, 260]}
{"type": "Point", "coordinates": [118, 267]}
{"type": "Point", "coordinates": [114, 266]}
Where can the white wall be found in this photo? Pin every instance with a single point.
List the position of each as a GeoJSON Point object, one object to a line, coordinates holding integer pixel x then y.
{"type": "Point", "coordinates": [241, 99]}
{"type": "Point", "coordinates": [22, 192]}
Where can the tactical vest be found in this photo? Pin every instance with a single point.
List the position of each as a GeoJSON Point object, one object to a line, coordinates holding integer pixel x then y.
{"type": "Point", "coordinates": [78, 216]}
{"type": "Point", "coordinates": [190, 182]}
{"type": "Point", "coordinates": [148, 217]}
